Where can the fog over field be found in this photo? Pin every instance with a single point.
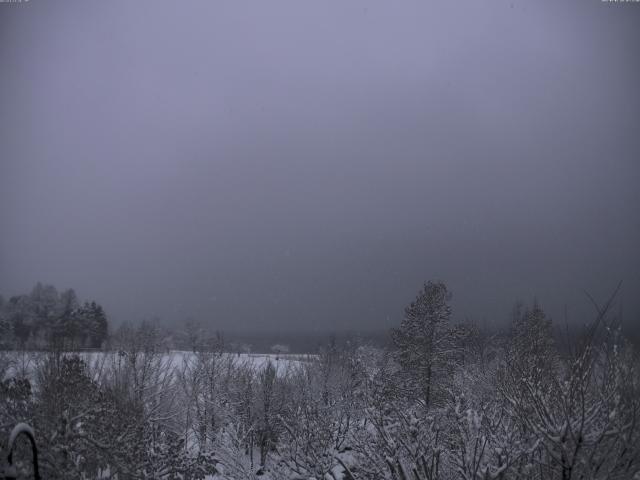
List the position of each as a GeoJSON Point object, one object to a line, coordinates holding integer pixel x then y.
{"type": "Point", "coordinates": [279, 166]}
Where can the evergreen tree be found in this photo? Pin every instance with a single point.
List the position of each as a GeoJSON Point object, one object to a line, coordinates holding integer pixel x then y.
{"type": "Point", "coordinates": [424, 343]}
{"type": "Point", "coordinates": [94, 324]}
{"type": "Point", "coordinates": [531, 350]}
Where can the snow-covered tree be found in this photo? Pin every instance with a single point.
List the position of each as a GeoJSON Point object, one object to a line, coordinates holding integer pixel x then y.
{"type": "Point", "coordinates": [425, 343]}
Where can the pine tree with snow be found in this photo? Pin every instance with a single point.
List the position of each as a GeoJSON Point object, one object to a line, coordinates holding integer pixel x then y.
{"type": "Point", "coordinates": [425, 342]}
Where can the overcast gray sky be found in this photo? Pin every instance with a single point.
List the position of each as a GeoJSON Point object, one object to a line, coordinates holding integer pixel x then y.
{"type": "Point", "coordinates": [308, 164]}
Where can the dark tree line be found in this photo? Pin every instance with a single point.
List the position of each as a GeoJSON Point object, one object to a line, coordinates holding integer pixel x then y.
{"type": "Point", "coordinates": [46, 318]}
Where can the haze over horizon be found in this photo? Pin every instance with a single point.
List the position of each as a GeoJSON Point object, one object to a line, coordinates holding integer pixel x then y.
{"type": "Point", "coordinates": [306, 166]}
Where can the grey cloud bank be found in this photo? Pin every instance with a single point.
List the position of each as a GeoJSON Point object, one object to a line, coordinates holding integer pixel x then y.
{"type": "Point", "coordinates": [306, 165]}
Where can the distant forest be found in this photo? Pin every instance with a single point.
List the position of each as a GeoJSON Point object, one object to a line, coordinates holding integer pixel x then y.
{"type": "Point", "coordinates": [47, 318]}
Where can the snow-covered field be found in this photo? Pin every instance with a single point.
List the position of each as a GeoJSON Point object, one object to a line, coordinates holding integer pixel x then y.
{"type": "Point", "coordinates": [22, 363]}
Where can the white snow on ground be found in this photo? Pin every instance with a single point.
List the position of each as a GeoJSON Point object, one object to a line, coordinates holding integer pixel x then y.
{"type": "Point", "coordinates": [21, 364]}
